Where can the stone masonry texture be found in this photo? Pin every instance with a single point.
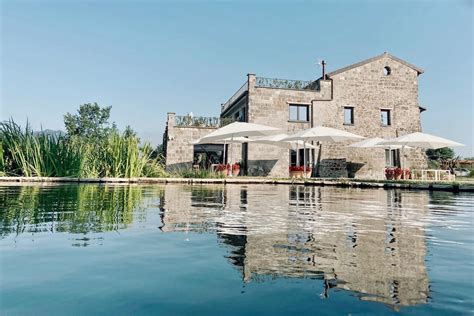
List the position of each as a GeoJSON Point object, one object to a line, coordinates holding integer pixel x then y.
{"type": "Point", "coordinates": [365, 88]}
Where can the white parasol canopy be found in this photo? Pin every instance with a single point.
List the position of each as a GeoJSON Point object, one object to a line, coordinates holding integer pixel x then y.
{"type": "Point", "coordinates": [235, 140]}
{"type": "Point", "coordinates": [322, 134]}
{"type": "Point", "coordinates": [240, 129]}
{"type": "Point", "coordinates": [373, 143]}
{"type": "Point", "coordinates": [225, 141]}
{"type": "Point", "coordinates": [422, 140]}
{"type": "Point", "coordinates": [277, 140]}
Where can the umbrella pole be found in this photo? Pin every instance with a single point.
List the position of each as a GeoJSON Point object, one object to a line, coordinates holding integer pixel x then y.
{"type": "Point", "coordinates": [230, 157]}
{"type": "Point", "coordinates": [403, 162]}
{"type": "Point", "coordinates": [297, 154]}
{"type": "Point", "coordinates": [304, 158]}
{"type": "Point", "coordinates": [390, 162]}
{"type": "Point", "coordinates": [223, 158]}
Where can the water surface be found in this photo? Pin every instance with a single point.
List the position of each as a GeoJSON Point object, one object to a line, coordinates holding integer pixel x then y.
{"type": "Point", "coordinates": [234, 250]}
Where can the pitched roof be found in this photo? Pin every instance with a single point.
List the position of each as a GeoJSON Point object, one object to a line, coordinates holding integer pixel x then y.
{"type": "Point", "coordinates": [361, 63]}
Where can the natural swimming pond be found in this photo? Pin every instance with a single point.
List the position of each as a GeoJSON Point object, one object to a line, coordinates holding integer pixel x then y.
{"type": "Point", "coordinates": [234, 250]}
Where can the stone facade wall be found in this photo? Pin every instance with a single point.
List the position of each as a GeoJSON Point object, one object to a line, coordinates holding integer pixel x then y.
{"type": "Point", "coordinates": [269, 106]}
{"type": "Point", "coordinates": [365, 88]}
{"type": "Point", "coordinates": [368, 90]}
{"type": "Point", "coordinates": [179, 150]}
{"type": "Point", "coordinates": [333, 168]}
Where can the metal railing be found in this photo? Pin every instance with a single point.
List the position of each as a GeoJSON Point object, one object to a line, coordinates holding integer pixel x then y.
{"type": "Point", "coordinates": [238, 94]}
{"type": "Point", "coordinates": [201, 121]}
{"type": "Point", "coordinates": [261, 82]}
{"type": "Point", "coordinates": [432, 175]}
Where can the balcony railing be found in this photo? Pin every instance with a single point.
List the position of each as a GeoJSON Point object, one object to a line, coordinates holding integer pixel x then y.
{"type": "Point", "coordinates": [237, 95]}
{"type": "Point", "coordinates": [261, 82]}
{"type": "Point", "coordinates": [201, 121]}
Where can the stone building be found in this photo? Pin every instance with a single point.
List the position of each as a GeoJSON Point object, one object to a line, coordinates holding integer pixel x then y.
{"type": "Point", "coordinates": [377, 97]}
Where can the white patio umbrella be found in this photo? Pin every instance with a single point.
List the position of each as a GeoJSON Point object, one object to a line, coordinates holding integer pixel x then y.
{"type": "Point", "coordinates": [375, 143]}
{"type": "Point", "coordinates": [277, 140]}
{"type": "Point", "coordinates": [322, 134]}
{"type": "Point", "coordinates": [225, 141]}
{"type": "Point", "coordinates": [421, 140]}
{"type": "Point", "coordinates": [240, 129]}
{"type": "Point", "coordinates": [369, 143]}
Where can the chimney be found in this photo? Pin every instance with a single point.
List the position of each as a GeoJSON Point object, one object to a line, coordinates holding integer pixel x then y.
{"type": "Point", "coordinates": [323, 64]}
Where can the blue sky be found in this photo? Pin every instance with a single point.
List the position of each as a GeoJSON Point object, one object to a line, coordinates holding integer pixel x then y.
{"type": "Point", "coordinates": [146, 58]}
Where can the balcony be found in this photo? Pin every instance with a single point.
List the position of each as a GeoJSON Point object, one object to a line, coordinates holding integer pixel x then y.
{"type": "Point", "coordinates": [235, 97]}
{"type": "Point", "coordinates": [261, 82]}
{"type": "Point", "coordinates": [201, 121]}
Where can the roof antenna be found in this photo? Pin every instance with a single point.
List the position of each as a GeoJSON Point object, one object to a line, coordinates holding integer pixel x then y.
{"type": "Point", "coordinates": [322, 63]}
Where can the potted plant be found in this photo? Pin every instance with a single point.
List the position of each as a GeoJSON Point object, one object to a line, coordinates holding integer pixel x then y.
{"type": "Point", "coordinates": [397, 173]}
{"type": "Point", "coordinates": [407, 173]}
{"type": "Point", "coordinates": [389, 173]}
{"type": "Point", "coordinates": [222, 169]}
{"type": "Point", "coordinates": [236, 169]}
{"type": "Point", "coordinates": [296, 171]}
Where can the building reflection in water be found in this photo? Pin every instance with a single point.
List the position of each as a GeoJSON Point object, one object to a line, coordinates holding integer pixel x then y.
{"type": "Point", "coordinates": [370, 242]}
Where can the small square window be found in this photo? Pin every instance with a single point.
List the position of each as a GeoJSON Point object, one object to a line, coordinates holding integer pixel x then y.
{"type": "Point", "coordinates": [385, 118]}
{"type": "Point", "coordinates": [348, 115]}
{"type": "Point", "coordinates": [298, 113]}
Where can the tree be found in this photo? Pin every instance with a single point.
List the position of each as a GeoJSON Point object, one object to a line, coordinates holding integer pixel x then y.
{"type": "Point", "coordinates": [158, 153]}
{"type": "Point", "coordinates": [440, 154]}
{"type": "Point", "coordinates": [91, 122]}
{"type": "Point", "coordinates": [129, 132]}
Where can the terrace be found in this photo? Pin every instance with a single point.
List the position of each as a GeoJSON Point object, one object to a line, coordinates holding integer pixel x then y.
{"type": "Point", "coordinates": [261, 82]}
{"type": "Point", "coordinates": [236, 96]}
{"type": "Point", "coordinates": [273, 83]}
{"type": "Point", "coordinates": [201, 121]}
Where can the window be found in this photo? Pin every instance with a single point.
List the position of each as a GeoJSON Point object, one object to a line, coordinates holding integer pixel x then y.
{"type": "Point", "coordinates": [239, 116]}
{"type": "Point", "coordinates": [392, 157]}
{"type": "Point", "coordinates": [348, 115]}
{"type": "Point", "coordinates": [299, 113]}
{"type": "Point", "coordinates": [207, 154]}
{"type": "Point", "coordinates": [385, 117]}
{"type": "Point", "coordinates": [387, 71]}
{"type": "Point", "coordinates": [294, 160]}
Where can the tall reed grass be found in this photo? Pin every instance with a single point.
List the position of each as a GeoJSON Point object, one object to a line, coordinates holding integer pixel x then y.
{"type": "Point", "coordinates": [25, 153]}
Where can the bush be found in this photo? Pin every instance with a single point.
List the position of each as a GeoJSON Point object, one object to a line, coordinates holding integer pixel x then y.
{"type": "Point", "coordinates": [197, 174]}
